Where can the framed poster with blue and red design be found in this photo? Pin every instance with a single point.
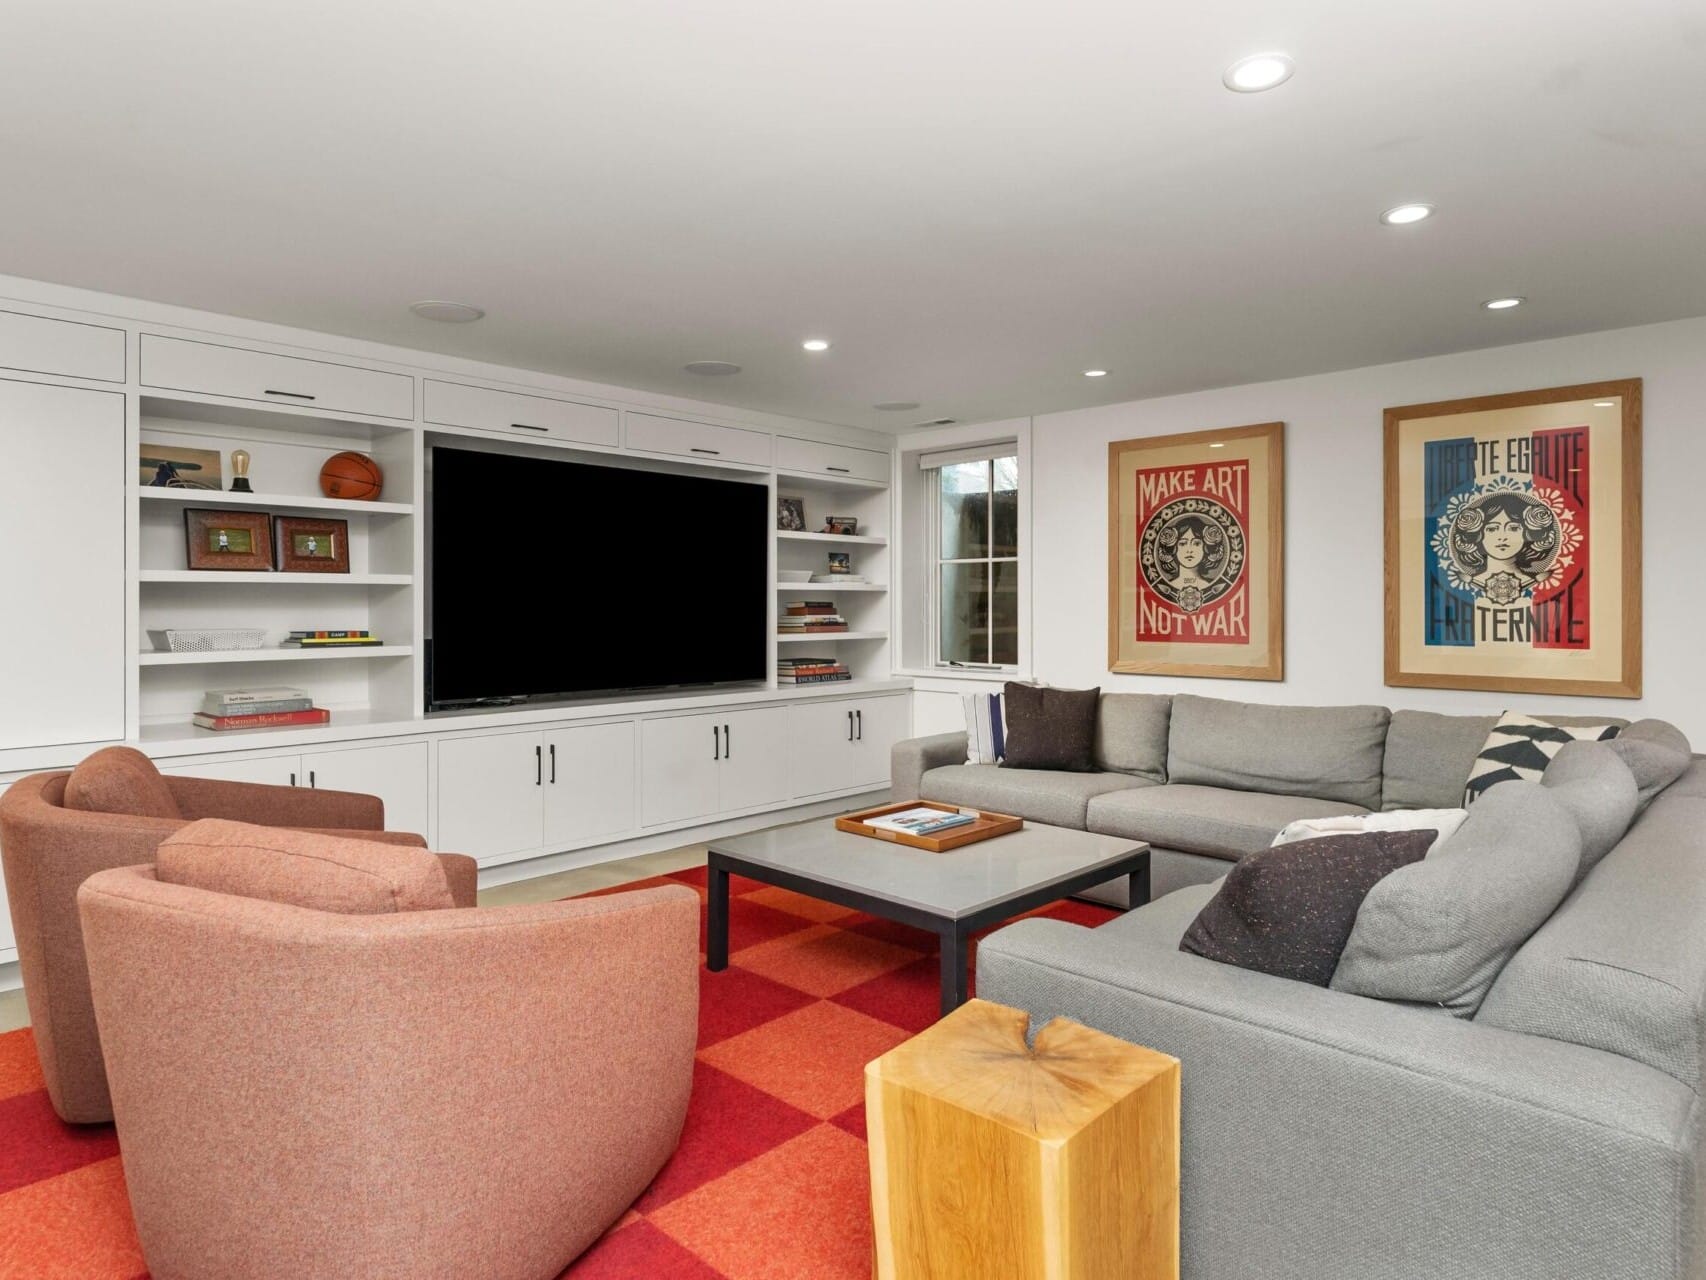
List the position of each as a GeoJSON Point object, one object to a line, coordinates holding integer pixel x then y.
{"type": "Point", "coordinates": [1513, 542]}
{"type": "Point", "coordinates": [1196, 561]}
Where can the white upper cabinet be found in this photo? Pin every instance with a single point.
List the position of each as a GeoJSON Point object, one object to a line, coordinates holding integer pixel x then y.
{"type": "Point", "coordinates": [452, 404]}
{"type": "Point", "coordinates": [68, 349]}
{"type": "Point", "coordinates": [175, 364]}
{"type": "Point", "coordinates": [813, 457]}
{"type": "Point", "coordinates": [701, 440]}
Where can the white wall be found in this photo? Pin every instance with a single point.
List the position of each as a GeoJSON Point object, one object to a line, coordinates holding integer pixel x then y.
{"type": "Point", "coordinates": [1334, 566]}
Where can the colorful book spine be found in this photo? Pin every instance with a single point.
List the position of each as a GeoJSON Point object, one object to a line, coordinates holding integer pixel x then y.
{"type": "Point", "coordinates": [269, 720]}
{"type": "Point", "coordinates": [329, 635]}
{"type": "Point", "coordinates": [358, 643]}
{"type": "Point", "coordinates": [258, 708]}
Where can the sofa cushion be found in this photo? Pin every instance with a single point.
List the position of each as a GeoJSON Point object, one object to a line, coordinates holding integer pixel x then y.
{"type": "Point", "coordinates": [303, 868]}
{"type": "Point", "coordinates": [1520, 747]}
{"type": "Point", "coordinates": [1429, 756]}
{"type": "Point", "coordinates": [1049, 728]}
{"type": "Point", "coordinates": [1037, 795]}
{"type": "Point", "coordinates": [1442, 822]}
{"type": "Point", "coordinates": [1656, 753]}
{"type": "Point", "coordinates": [1440, 930]}
{"type": "Point", "coordinates": [1288, 910]}
{"type": "Point", "coordinates": [1621, 966]}
{"type": "Point", "coordinates": [1162, 923]}
{"type": "Point", "coordinates": [1330, 753]}
{"type": "Point", "coordinates": [120, 780]}
{"type": "Point", "coordinates": [1216, 821]}
{"type": "Point", "coordinates": [1131, 734]}
{"type": "Point", "coordinates": [1591, 781]}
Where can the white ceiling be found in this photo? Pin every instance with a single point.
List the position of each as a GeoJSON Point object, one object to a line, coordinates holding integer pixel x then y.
{"type": "Point", "coordinates": [975, 199]}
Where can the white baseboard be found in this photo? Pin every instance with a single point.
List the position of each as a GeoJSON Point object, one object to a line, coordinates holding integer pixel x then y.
{"type": "Point", "coordinates": [10, 978]}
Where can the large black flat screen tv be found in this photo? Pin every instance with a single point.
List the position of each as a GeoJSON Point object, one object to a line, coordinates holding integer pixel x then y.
{"type": "Point", "coordinates": [553, 579]}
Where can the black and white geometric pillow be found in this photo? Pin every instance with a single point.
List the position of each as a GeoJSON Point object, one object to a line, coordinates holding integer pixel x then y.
{"type": "Point", "coordinates": [1520, 747]}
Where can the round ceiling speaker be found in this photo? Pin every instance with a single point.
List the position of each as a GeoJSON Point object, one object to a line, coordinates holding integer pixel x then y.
{"type": "Point", "coordinates": [446, 312]}
{"type": "Point", "coordinates": [712, 368]}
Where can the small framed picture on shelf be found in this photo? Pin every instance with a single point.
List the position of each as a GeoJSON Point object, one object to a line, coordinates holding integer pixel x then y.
{"type": "Point", "coordinates": [845, 525]}
{"type": "Point", "coordinates": [173, 466]}
{"type": "Point", "coordinates": [234, 541]}
{"type": "Point", "coordinates": [309, 545]}
{"type": "Point", "coordinates": [840, 562]}
{"type": "Point", "coordinates": [791, 514]}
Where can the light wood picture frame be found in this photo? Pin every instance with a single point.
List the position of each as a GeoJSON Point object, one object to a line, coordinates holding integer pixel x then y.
{"type": "Point", "coordinates": [1513, 542]}
{"type": "Point", "coordinates": [1196, 554]}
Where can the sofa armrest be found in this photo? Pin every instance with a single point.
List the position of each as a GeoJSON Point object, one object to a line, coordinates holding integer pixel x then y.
{"type": "Point", "coordinates": [269, 806]}
{"type": "Point", "coordinates": [463, 873]}
{"type": "Point", "coordinates": [910, 760]}
{"type": "Point", "coordinates": [1325, 1132]}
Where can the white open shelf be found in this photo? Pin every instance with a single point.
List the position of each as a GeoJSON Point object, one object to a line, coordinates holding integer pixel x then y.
{"type": "Point", "coordinates": [271, 501]}
{"type": "Point", "coordinates": [859, 539]}
{"type": "Point", "coordinates": [832, 637]}
{"type": "Point", "coordinates": [153, 659]}
{"type": "Point", "coordinates": [278, 579]}
{"type": "Point", "coordinates": [830, 586]}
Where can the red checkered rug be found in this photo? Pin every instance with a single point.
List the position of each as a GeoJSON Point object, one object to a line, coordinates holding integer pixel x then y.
{"type": "Point", "coordinates": [770, 1181]}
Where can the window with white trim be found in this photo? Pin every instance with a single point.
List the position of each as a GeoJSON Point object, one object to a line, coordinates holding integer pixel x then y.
{"type": "Point", "coordinates": [974, 611]}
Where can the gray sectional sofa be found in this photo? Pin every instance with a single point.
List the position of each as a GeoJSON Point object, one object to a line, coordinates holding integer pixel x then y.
{"type": "Point", "coordinates": [1556, 1132]}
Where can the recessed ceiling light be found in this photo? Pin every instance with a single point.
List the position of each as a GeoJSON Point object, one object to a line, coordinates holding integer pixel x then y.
{"type": "Point", "coordinates": [712, 368]}
{"type": "Point", "coordinates": [1095, 373]}
{"type": "Point", "coordinates": [1404, 214]}
{"type": "Point", "coordinates": [446, 312]}
{"type": "Point", "coordinates": [1257, 72]}
{"type": "Point", "coordinates": [1502, 304]}
{"type": "Point", "coordinates": [816, 344]}
{"type": "Point", "coordinates": [896, 406]}
{"type": "Point", "coordinates": [1605, 404]}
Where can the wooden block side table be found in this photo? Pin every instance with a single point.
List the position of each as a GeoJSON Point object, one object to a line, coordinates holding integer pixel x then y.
{"type": "Point", "coordinates": [994, 1158]}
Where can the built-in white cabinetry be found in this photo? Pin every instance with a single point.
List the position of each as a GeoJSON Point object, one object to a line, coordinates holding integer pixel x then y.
{"type": "Point", "coordinates": [62, 537]}
{"type": "Point", "coordinates": [844, 743]}
{"type": "Point", "coordinates": [209, 369]}
{"type": "Point", "coordinates": [453, 404]}
{"type": "Point", "coordinates": [813, 457]}
{"type": "Point", "coordinates": [8, 939]}
{"type": "Point", "coordinates": [396, 772]}
{"type": "Point", "coordinates": [694, 766]}
{"type": "Point", "coordinates": [65, 348]}
{"type": "Point", "coordinates": [507, 793]}
{"type": "Point", "coordinates": [701, 440]}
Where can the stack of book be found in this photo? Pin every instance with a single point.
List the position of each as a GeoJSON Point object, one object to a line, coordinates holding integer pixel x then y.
{"type": "Point", "coordinates": [840, 579]}
{"type": "Point", "coordinates": [810, 617]}
{"type": "Point", "coordinates": [331, 640]}
{"type": "Point", "coordinates": [257, 709]}
{"type": "Point", "coordinates": [811, 671]}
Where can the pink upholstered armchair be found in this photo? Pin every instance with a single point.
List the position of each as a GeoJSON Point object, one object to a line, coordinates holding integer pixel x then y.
{"type": "Point", "coordinates": [58, 829]}
{"type": "Point", "coordinates": [426, 1093]}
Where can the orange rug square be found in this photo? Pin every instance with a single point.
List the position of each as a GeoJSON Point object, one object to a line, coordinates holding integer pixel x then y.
{"type": "Point", "coordinates": [823, 959]}
{"type": "Point", "coordinates": [813, 1058]}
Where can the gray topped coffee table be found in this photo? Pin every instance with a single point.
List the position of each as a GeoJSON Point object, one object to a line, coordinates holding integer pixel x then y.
{"type": "Point", "coordinates": [952, 894]}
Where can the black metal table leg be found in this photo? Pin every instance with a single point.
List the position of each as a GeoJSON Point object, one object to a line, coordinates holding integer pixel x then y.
{"type": "Point", "coordinates": [953, 945]}
{"type": "Point", "coordinates": [717, 933]}
{"type": "Point", "coordinates": [1138, 882]}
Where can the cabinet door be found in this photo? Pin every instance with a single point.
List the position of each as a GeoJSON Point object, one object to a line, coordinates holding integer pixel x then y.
{"type": "Point", "coordinates": [878, 723]}
{"type": "Point", "coordinates": [68, 348]}
{"type": "Point", "coordinates": [821, 749]}
{"type": "Point", "coordinates": [817, 458]}
{"type": "Point", "coordinates": [491, 794]}
{"type": "Point", "coordinates": [240, 374]}
{"type": "Point", "coordinates": [395, 772]}
{"type": "Point", "coordinates": [272, 771]}
{"type": "Point", "coordinates": [8, 941]}
{"type": "Point", "coordinates": [754, 768]}
{"type": "Point", "coordinates": [62, 510]}
{"type": "Point", "coordinates": [703, 440]}
{"type": "Point", "coordinates": [456, 405]}
{"type": "Point", "coordinates": [589, 783]}
{"type": "Point", "coordinates": [680, 757]}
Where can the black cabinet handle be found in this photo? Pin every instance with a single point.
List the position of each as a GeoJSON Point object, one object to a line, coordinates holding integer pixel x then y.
{"type": "Point", "coordinates": [728, 743]}
{"type": "Point", "coordinates": [716, 453]}
{"type": "Point", "coordinates": [527, 426]}
{"type": "Point", "coordinates": [293, 779]}
{"type": "Point", "coordinates": [553, 764]}
{"type": "Point", "coordinates": [859, 719]}
{"type": "Point", "coordinates": [292, 395]}
{"type": "Point", "coordinates": [311, 781]}
{"type": "Point", "coordinates": [849, 726]}
{"type": "Point", "coordinates": [538, 767]}
{"type": "Point", "coordinates": [716, 743]}
{"type": "Point", "coordinates": [841, 470]}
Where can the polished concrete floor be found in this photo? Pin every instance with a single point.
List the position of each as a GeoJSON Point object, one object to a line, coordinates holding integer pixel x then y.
{"type": "Point", "coordinates": [565, 884]}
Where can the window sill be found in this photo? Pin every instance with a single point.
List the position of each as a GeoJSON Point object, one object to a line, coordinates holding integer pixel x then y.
{"type": "Point", "coordinates": [958, 673]}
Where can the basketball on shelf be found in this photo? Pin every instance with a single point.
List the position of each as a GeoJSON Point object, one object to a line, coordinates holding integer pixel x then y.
{"type": "Point", "coordinates": [351, 475]}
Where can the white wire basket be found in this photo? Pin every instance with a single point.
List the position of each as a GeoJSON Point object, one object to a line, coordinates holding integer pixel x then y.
{"type": "Point", "coordinates": [207, 639]}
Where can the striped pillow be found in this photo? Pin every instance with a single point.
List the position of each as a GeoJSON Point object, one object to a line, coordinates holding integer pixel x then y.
{"type": "Point", "coordinates": [986, 728]}
{"type": "Point", "coordinates": [1520, 747]}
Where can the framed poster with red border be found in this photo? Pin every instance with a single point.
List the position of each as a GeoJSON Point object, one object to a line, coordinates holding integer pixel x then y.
{"type": "Point", "coordinates": [1513, 542]}
{"type": "Point", "coordinates": [1196, 554]}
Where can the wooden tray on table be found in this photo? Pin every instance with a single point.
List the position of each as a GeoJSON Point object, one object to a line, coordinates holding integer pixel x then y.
{"type": "Point", "coordinates": [984, 827]}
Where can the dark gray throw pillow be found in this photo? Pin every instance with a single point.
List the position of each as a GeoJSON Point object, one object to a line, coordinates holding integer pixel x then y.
{"type": "Point", "coordinates": [1050, 728]}
{"type": "Point", "coordinates": [1289, 910]}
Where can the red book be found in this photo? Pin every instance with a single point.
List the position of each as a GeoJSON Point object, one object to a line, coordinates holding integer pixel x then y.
{"type": "Point", "coordinates": [265, 720]}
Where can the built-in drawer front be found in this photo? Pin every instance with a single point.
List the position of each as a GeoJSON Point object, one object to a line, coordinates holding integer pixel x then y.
{"type": "Point", "coordinates": [698, 440]}
{"type": "Point", "coordinates": [816, 458]}
{"type": "Point", "coordinates": [178, 365]}
{"type": "Point", "coordinates": [66, 348]}
{"type": "Point", "coordinates": [453, 405]}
